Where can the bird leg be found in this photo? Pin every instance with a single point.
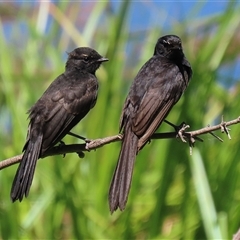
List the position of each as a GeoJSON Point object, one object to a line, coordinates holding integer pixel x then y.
{"type": "Point", "coordinates": [77, 136]}
{"type": "Point", "coordinates": [80, 154]}
{"type": "Point", "coordinates": [183, 135]}
{"type": "Point", "coordinates": [178, 129]}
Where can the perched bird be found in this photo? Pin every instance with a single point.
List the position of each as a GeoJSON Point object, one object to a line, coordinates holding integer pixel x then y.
{"type": "Point", "coordinates": [66, 101]}
{"type": "Point", "coordinates": [155, 90]}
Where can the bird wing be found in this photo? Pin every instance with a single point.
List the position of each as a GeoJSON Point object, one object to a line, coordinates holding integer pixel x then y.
{"type": "Point", "coordinates": [161, 94]}
{"type": "Point", "coordinates": [153, 111]}
{"type": "Point", "coordinates": [66, 107]}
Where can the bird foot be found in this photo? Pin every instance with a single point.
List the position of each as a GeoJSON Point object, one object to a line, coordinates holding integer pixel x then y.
{"type": "Point", "coordinates": [87, 142]}
{"type": "Point", "coordinates": [180, 129]}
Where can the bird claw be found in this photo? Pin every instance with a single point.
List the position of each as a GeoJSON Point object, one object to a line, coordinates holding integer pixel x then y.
{"type": "Point", "coordinates": [87, 142]}
{"type": "Point", "coordinates": [181, 130]}
{"type": "Point", "coordinates": [176, 128]}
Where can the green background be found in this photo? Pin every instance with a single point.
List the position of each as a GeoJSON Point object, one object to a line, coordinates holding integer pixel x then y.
{"type": "Point", "coordinates": [173, 195]}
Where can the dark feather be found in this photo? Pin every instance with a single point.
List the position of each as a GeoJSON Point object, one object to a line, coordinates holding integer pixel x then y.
{"type": "Point", "coordinates": [66, 101]}
{"type": "Point", "coordinates": [23, 178]}
{"type": "Point", "coordinates": [122, 177]}
{"type": "Point", "coordinates": [156, 89]}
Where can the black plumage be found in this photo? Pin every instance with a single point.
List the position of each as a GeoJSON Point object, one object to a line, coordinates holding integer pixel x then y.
{"type": "Point", "coordinates": [156, 89]}
{"type": "Point", "coordinates": [66, 101]}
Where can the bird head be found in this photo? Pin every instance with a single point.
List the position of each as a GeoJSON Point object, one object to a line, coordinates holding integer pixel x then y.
{"type": "Point", "coordinates": [85, 59]}
{"type": "Point", "coordinates": [169, 46]}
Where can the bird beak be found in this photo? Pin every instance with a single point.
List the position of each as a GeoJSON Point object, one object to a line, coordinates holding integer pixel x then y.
{"type": "Point", "coordinates": [102, 59]}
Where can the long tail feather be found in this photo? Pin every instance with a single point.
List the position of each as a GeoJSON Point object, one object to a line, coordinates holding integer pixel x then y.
{"type": "Point", "coordinates": [24, 176]}
{"type": "Point", "coordinates": [121, 181]}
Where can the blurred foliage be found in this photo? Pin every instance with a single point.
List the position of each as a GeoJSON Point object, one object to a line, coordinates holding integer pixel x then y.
{"type": "Point", "coordinates": [173, 195]}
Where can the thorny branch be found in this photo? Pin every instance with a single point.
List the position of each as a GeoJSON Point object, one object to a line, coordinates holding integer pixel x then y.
{"type": "Point", "coordinates": [180, 132]}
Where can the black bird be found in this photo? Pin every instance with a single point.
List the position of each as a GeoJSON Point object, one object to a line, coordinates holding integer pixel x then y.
{"type": "Point", "coordinates": [156, 89]}
{"type": "Point", "coordinates": [66, 101]}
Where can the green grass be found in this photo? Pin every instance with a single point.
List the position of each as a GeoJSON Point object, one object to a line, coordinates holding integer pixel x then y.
{"type": "Point", "coordinates": [173, 195]}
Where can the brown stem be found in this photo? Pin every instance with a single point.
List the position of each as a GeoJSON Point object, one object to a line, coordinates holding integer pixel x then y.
{"type": "Point", "coordinates": [191, 136]}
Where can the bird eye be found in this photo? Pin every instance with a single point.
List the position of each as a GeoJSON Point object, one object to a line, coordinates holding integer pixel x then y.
{"type": "Point", "coordinates": [85, 58]}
